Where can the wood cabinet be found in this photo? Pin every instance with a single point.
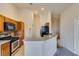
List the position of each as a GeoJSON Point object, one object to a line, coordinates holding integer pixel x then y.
{"type": "Point", "coordinates": [20, 30]}
{"type": "Point", "coordinates": [20, 26]}
{"type": "Point", "coordinates": [10, 20]}
{"type": "Point", "coordinates": [1, 23]}
{"type": "Point", "coordinates": [5, 49]}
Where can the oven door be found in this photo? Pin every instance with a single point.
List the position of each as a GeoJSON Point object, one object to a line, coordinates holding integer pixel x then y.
{"type": "Point", "coordinates": [14, 45]}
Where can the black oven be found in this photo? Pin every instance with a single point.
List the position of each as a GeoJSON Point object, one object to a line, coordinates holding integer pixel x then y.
{"type": "Point", "coordinates": [9, 26]}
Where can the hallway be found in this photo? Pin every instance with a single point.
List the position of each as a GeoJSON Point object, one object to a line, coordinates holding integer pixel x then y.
{"type": "Point", "coordinates": [64, 52]}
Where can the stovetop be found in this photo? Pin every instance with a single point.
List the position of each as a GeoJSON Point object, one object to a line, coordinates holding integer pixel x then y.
{"type": "Point", "coordinates": [9, 38]}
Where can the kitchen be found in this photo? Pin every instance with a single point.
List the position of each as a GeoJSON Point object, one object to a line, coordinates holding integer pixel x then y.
{"type": "Point", "coordinates": [12, 29]}
{"type": "Point", "coordinates": [32, 29]}
{"type": "Point", "coordinates": [39, 29]}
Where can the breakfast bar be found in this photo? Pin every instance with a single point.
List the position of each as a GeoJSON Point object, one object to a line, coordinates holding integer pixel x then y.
{"type": "Point", "coordinates": [45, 46]}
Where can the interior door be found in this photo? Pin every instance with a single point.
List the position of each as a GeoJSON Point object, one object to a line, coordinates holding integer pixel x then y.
{"type": "Point", "coordinates": [76, 35]}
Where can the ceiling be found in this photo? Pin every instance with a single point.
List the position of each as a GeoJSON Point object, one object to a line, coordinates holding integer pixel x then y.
{"type": "Point", "coordinates": [54, 7]}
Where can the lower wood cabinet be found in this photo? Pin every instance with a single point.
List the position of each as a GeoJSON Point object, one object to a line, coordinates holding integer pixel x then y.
{"type": "Point", "coordinates": [5, 49]}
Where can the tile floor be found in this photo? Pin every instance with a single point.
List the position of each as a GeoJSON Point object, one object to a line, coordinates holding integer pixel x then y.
{"type": "Point", "coordinates": [64, 52]}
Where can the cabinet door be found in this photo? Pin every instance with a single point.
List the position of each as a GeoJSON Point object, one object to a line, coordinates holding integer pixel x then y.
{"type": "Point", "coordinates": [20, 29]}
{"type": "Point", "coordinates": [1, 23]}
{"type": "Point", "coordinates": [5, 49]}
{"type": "Point", "coordinates": [20, 26]}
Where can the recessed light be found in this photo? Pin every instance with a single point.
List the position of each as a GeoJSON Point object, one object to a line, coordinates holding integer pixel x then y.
{"type": "Point", "coordinates": [42, 9]}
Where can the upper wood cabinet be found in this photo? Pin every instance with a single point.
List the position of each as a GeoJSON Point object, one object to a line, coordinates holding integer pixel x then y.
{"type": "Point", "coordinates": [1, 23]}
{"type": "Point", "coordinates": [20, 30]}
{"type": "Point", "coordinates": [20, 26]}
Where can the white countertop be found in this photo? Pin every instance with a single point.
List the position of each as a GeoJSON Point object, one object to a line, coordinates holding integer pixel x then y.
{"type": "Point", "coordinates": [42, 38]}
{"type": "Point", "coordinates": [3, 41]}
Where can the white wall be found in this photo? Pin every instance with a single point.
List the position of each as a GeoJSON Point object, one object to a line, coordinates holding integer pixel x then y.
{"type": "Point", "coordinates": [8, 10]}
{"type": "Point", "coordinates": [67, 26]}
{"type": "Point", "coordinates": [55, 22]}
{"type": "Point", "coordinates": [27, 16]}
{"type": "Point", "coordinates": [33, 23]}
{"type": "Point", "coordinates": [46, 17]}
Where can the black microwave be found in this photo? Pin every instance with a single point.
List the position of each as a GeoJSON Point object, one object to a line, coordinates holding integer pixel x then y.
{"type": "Point", "coordinates": [9, 26]}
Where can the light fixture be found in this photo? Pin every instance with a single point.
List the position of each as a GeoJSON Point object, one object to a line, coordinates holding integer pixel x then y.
{"type": "Point", "coordinates": [42, 9]}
